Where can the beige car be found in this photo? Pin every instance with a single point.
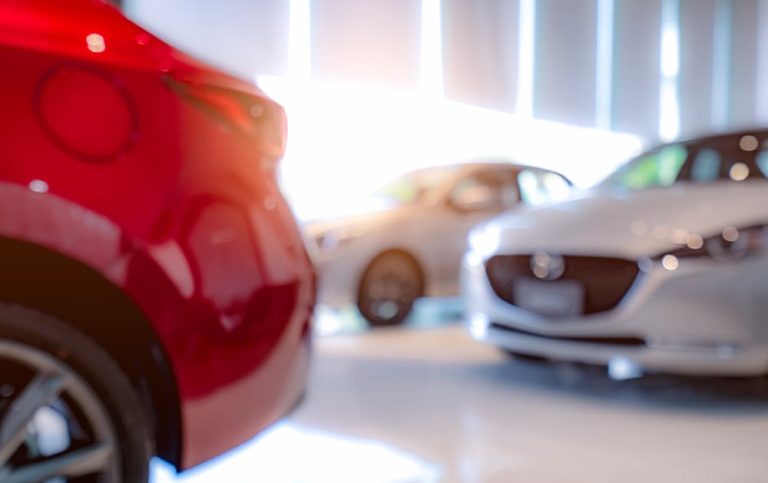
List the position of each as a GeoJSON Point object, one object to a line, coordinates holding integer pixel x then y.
{"type": "Point", "coordinates": [412, 245]}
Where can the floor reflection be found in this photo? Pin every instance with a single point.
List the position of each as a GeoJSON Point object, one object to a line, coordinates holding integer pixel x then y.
{"type": "Point", "coordinates": [484, 418]}
{"type": "Point", "coordinates": [425, 404]}
{"type": "Point", "coordinates": [292, 453]}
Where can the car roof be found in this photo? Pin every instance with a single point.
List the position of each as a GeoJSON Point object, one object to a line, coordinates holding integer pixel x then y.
{"type": "Point", "coordinates": [490, 164]}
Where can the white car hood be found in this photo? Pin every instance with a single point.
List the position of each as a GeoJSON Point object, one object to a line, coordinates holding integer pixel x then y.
{"type": "Point", "coordinates": [633, 224]}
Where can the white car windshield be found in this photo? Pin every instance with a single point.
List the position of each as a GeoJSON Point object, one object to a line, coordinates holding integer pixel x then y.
{"type": "Point", "coordinates": [730, 159]}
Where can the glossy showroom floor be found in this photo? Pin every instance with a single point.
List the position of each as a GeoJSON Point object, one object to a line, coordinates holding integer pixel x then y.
{"type": "Point", "coordinates": [427, 404]}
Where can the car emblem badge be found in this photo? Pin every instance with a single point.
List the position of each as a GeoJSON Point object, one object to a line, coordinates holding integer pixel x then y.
{"type": "Point", "coordinates": [547, 266]}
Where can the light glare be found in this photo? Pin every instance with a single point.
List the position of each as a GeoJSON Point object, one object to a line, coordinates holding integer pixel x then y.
{"type": "Point", "coordinates": [622, 368]}
{"type": "Point", "coordinates": [695, 241]}
{"type": "Point", "coordinates": [739, 172]}
{"type": "Point", "coordinates": [730, 234]}
{"type": "Point", "coordinates": [96, 43]}
{"type": "Point", "coordinates": [669, 105]}
{"type": "Point", "coordinates": [485, 240]}
{"type": "Point", "coordinates": [38, 186]}
{"type": "Point", "coordinates": [341, 132]}
{"type": "Point", "coordinates": [431, 48]}
{"type": "Point", "coordinates": [670, 262]}
{"type": "Point", "coordinates": [748, 143]}
{"type": "Point", "coordinates": [604, 63]}
{"type": "Point", "coordinates": [299, 39]}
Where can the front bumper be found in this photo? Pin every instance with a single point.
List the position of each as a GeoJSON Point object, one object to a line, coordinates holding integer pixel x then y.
{"type": "Point", "coordinates": [705, 318]}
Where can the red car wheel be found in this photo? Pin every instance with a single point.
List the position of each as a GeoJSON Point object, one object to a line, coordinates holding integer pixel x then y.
{"type": "Point", "coordinates": [67, 412]}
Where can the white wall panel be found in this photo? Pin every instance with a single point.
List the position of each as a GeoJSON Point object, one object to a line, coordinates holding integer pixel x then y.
{"type": "Point", "coordinates": [743, 63]}
{"type": "Point", "coordinates": [566, 39]}
{"type": "Point", "coordinates": [697, 54]}
{"type": "Point", "coordinates": [243, 36]}
{"type": "Point", "coordinates": [480, 43]}
{"type": "Point", "coordinates": [637, 37]}
{"type": "Point", "coordinates": [373, 41]}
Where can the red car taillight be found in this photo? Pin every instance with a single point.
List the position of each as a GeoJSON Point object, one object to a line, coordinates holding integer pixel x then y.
{"type": "Point", "coordinates": [258, 118]}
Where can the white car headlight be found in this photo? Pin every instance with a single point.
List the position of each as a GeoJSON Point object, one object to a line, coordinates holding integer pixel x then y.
{"type": "Point", "coordinates": [484, 240]}
{"type": "Point", "coordinates": [730, 243]}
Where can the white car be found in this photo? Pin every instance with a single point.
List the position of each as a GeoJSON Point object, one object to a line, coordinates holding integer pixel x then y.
{"type": "Point", "coordinates": [661, 268]}
{"type": "Point", "coordinates": [412, 246]}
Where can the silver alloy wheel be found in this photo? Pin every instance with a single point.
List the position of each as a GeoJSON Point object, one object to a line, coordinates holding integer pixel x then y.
{"type": "Point", "coordinates": [52, 385]}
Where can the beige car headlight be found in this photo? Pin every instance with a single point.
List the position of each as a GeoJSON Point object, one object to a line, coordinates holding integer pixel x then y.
{"type": "Point", "coordinates": [334, 239]}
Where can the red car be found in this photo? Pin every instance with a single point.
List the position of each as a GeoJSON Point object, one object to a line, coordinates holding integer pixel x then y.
{"type": "Point", "coordinates": [155, 293]}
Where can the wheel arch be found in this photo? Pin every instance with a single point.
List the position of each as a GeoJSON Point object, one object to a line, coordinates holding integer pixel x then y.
{"type": "Point", "coordinates": [46, 280]}
{"type": "Point", "coordinates": [404, 252]}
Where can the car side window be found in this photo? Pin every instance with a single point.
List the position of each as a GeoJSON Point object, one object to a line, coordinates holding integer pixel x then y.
{"type": "Point", "coordinates": [656, 169]}
{"type": "Point", "coordinates": [706, 166]}
{"type": "Point", "coordinates": [489, 191]}
{"type": "Point", "coordinates": [537, 186]}
{"type": "Point", "coordinates": [762, 162]}
{"type": "Point", "coordinates": [711, 165]}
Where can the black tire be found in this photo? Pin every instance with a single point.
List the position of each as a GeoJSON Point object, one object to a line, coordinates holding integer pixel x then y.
{"type": "Point", "coordinates": [390, 285]}
{"type": "Point", "coordinates": [99, 406]}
